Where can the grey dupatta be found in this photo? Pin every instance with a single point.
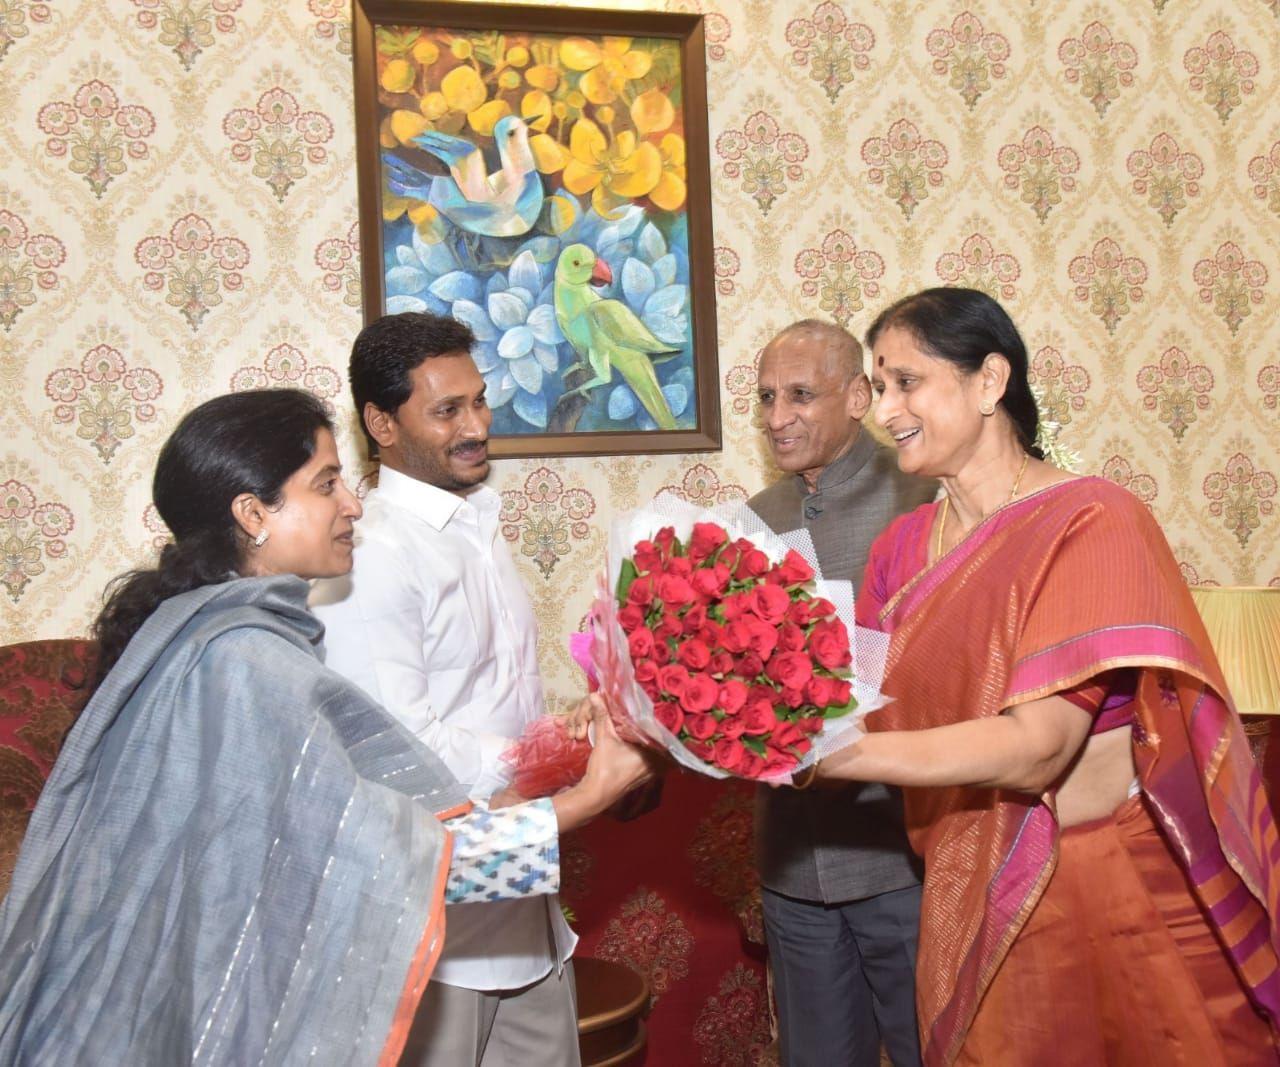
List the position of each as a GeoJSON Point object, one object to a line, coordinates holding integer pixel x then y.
{"type": "Point", "coordinates": [234, 860]}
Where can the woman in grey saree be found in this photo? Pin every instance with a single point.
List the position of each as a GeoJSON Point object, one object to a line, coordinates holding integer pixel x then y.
{"type": "Point", "coordinates": [238, 858]}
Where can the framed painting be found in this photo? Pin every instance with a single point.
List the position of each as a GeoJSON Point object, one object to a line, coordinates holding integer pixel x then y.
{"type": "Point", "coordinates": [542, 175]}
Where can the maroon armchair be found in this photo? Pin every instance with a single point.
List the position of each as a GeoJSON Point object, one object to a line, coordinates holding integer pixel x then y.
{"type": "Point", "coordinates": [40, 689]}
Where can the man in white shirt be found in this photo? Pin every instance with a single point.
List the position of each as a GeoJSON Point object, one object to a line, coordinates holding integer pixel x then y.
{"type": "Point", "coordinates": [435, 625]}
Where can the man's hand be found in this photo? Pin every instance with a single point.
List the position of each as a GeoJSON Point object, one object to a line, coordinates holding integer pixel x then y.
{"type": "Point", "coordinates": [579, 718]}
{"type": "Point", "coordinates": [506, 798]}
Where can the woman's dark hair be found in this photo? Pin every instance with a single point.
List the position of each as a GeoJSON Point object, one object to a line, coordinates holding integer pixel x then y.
{"type": "Point", "coordinates": [964, 326]}
{"type": "Point", "coordinates": [249, 442]}
{"type": "Point", "coordinates": [388, 350]}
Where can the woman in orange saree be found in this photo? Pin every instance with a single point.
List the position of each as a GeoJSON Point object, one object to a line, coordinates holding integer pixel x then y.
{"type": "Point", "coordinates": [1100, 861]}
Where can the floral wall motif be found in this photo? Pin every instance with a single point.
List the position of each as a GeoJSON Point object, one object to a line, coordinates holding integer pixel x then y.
{"type": "Point", "coordinates": [177, 218]}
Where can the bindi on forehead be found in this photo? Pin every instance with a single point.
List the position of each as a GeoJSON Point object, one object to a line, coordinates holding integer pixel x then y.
{"type": "Point", "coordinates": [880, 362]}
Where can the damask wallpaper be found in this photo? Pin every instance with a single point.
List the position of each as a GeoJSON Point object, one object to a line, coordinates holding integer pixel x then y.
{"type": "Point", "coordinates": [177, 218]}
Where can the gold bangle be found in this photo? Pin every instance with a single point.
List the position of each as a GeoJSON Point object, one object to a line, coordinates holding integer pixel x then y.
{"type": "Point", "coordinates": [805, 778]}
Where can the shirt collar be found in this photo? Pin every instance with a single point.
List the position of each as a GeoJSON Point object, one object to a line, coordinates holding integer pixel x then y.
{"type": "Point", "coordinates": [839, 471]}
{"type": "Point", "coordinates": [430, 503]}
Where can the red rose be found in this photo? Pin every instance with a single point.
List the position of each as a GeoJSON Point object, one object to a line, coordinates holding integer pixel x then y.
{"type": "Point", "coordinates": [793, 698]}
{"type": "Point", "coordinates": [673, 679]}
{"type": "Point", "coordinates": [664, 539]}
{"type": "Point", "coordinates": [790, 637]}
{"type": "Point", "coordinates": [701, 749]}
{"type": "Point", "coordinates": [786, 735]}
{"type": "Point", "coordinates": [700, 727]}
{"type": "Point", "coordinates": [764, 638]}
{"type": "Point", "coordinates": [843, 693]}
{"type": "Point", "coordinates": [670, 626]}
{"type": "Point", "coordinates": [791, 670]}
{"type": "Point", "coordinates": [736, 636]}
{"type": "Point", "coordinates": [661, 653]}
{"type": "Point", "coordinates": [641, 591]}
{"type": "Point", "coordinates": [769, 602]}
{"type": "Point", "coordinates": [700, 693]}
{"type": "Point", "coordinates": [645, 556]}
{"type": "Point", "coordinates": [778, 763]}
{"type": "Point", "coordinates": [758, 717]}
{"type": "Point", "coordinates": [793, 569]}
{"type": "Point", "coordinates": [820, 690]}
{"type": "Point", "coordinates": [674, 591]}
{"type": "Point", "coordinates": [694, 619]}
{"type": "Point", "coordinates": [820, 608]}
{"type": "Point", "coordinates": [735, 606]}
{"type": "Point", "coordinates": [652, 691]}
{"type": "Point", "coordinates": [749, 664]}
{"type": "Point", "coordinates": [680, 567]}
{"type": "Point", "coordinates": [669, 714]}
{"type": "Point", "coordinates": [640, 643]}
{"type": "Point", "coordinates": [711, 581]}
{"type": "Point", "coordinates": [711, 633]}
{"type": "Point", "coordinates": [721, 663]}
{"type": "Point", "coordinates": [812, 724]}
{"type": "Point", "coordinates": [753, 564]}
{"type": "Point", "coordinates": [733, 695]}
{"type": "Point", "coordinates": [729, 754]}
{"type": "Point", "coordinates": [705, 539]}
{"type": "Point", "coordinates": [760, 691]}
{"type": "Point", "coordinates": [751, 766]}
{"type": "Point", "coordinates": [829, 645]}
{"type": "Point", "coordinates": [798, 613]}
{"type": "Point", "coordinates": [630, 618]}
{"type": "Point", "coordinates": [646, 671]}
{"type": "Point", "coordinates": [693, 654]}
{"type": "Point", "coordinates": [729, 557]}
{"type": "Point", "coordinates": [731, 726]}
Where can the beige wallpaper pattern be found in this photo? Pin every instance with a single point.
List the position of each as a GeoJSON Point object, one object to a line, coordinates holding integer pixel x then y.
{"type": "Point", "coordinates": [177, 218]}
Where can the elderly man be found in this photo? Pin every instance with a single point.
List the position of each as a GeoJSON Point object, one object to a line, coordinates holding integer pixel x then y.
{"type": "Point", "coordinates": [841, 886]}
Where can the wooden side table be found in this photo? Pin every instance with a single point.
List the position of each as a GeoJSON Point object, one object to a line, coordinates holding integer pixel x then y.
{"type": "Point", "coordinates": [611, 1000]}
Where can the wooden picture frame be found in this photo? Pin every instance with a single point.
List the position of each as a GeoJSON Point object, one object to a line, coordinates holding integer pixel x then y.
{"type": "Point", "coordinates": [504, 153]}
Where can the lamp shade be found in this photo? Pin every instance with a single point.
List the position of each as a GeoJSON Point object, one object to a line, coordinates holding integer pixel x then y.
{"type": "Point", "coordinates": [1244, 626]}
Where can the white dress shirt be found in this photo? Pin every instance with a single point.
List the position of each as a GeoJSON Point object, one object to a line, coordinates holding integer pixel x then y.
{"type": "Point", "coordinates": [434, 624]}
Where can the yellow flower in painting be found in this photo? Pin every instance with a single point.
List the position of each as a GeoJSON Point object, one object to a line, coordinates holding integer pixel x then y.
{"type": "Point", "coordinates": [401, 127]}
{"type": "Point", "coordinates": [538, 107]}
{"type": "Point", "coordinates": [543, 77]}
{"type": "Point", "coordinates": [509, 79]}
{"type": "Point", "coordinates": [608, 66]}
{"type": "Point", "coordinates": [518, 56]}
{"type": "Point", "coordinates": [484, 118]}
{"type": "Point", "coordinates": [671, 191]}
{"type": "Point", "coordinates": [398, 76]}
{"type": "Point", "coordinates": [611, 172]}
{"type": "Point", "coordinates": [605, 114]}
{"type": "Point", "coordinates": [433, 105]}
{"type": "Point", "coordinates": [463, 89]}
{"type": "Point", "coordinates": [460, 48]}
{"type": "Point", "coordinates": [652, 112]}
{"type": "Point", "coordinates": [426, 51]}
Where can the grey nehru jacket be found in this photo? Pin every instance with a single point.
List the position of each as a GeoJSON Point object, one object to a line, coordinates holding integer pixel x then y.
{"type": "Point", "coordinates": [826, 844]}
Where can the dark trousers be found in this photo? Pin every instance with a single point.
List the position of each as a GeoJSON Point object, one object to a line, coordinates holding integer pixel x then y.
{"type": "Point", "coordinates": [844, 978]}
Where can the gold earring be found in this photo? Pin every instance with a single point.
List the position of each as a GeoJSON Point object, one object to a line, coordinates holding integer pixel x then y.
{"type": "Point", "coordinates": [987, 408]}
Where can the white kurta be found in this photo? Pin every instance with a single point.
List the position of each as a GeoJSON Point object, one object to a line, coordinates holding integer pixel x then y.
{"type": "Point", "coordinates": [434, 624]}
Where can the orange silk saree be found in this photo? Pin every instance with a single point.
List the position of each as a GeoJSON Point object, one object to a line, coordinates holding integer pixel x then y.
{"type": "Point", "coordinates": [1046, 593]}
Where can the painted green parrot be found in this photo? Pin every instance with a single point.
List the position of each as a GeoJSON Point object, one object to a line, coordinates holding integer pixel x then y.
{"type": "Point", "coordinates": [607, 334]}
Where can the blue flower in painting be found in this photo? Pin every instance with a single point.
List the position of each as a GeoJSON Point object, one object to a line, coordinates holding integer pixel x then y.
{"type": "Point", "coordinates": [517, 338]}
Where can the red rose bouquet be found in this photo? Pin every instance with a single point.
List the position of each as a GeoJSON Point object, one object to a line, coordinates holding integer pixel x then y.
{"type": "Point", "coordinates": [717, 641]}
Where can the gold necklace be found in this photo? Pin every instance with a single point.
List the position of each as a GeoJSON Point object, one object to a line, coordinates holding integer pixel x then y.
{"type": "Point", "coordinates": [946, 503]}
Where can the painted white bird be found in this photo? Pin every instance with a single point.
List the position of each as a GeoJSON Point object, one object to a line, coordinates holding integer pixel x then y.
{"type": "Point", "coordinates": [505, 203]}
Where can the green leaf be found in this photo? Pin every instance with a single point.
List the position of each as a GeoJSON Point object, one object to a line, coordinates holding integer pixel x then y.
{"type": "Point", "coordinates": [756, 744]}
{"type": "Point", "coordinates": [626, 577]}
{"type": "Point", "coordinates": [843, 709]}
{"type": "Point", "coordinates": [392, 41]}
